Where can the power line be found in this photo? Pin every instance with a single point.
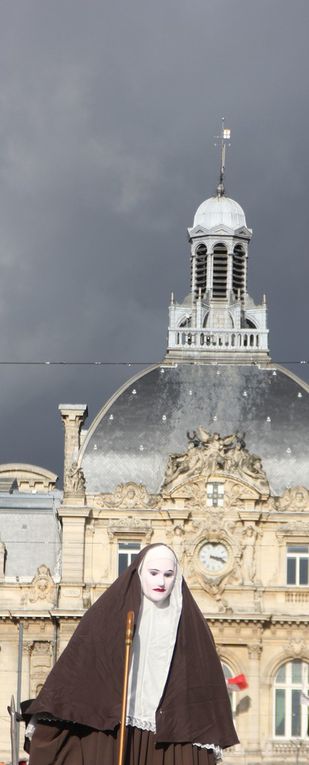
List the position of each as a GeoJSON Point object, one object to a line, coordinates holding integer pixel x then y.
{"type": "Point", "coordinates": [135, 363]}
{"type": "Point", "coordinates": [77, 363]}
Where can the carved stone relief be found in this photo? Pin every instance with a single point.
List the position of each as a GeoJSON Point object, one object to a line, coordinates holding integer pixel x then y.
{"type": "Point", "coordinates": [40, 665]}
{"type": "Point", "coordinates": [248, 561]}
{"type": "Point", "coordinates": [75, 480]}
{"type": "Point", "coordinates": [129, 495]}
{"type": "Point", "coordinates": [42, 586]}
{"type": "Point", "coordinates": [296, 499]}
{"type": "Point", "coordinates": [296, 647]}
{"type": "Point", "coordinates": [209, 454]}
{"type": "Point", "coordinates": [254, 651]}
{"type": "Point", "coordinates": [176, 539]}
{"type": "Point", "coordinates": [130, 525]}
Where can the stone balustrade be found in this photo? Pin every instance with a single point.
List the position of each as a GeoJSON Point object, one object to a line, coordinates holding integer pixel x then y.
{"type": "Point", "coordinates": [223, 340]}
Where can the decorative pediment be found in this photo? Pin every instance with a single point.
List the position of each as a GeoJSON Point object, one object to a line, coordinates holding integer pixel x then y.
{"type": "Point", "coordinates": [244, 231]}
{"type": "Point", "coordinates": [210, 456]}
{"type": "Point", "coordinates": [197, 231]}
{"type": "Point", "coordinates": [130, 527]}
{"type": "Point", "coordinates": [127, 496]}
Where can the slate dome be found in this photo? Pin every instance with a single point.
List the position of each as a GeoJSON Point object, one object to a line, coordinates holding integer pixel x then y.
{"type": "Point", "coordinates": [148, 419]}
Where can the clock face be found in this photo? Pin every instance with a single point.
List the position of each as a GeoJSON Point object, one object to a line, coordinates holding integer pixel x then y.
{"type": "Point", "coordinates": [214, 556]}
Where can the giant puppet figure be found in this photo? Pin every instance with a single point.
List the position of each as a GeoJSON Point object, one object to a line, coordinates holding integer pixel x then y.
{"type": "Point", "coordinates": [178, 711]}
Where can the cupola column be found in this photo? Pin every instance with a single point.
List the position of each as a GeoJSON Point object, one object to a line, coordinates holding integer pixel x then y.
{"type": "Point", "coordinates": [193, 273]}
{"type": "Point", "coordinates": [210, 272]}
{"type": "Point", "coordinates": [229, 282]}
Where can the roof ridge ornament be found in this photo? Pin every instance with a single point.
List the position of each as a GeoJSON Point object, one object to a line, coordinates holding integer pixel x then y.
{"type": "Point", "coordinates": [224, 140]}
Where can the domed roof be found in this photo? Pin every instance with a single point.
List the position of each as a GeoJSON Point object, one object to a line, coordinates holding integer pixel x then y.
{"type": "Point", "coordinates": [220, 210]}
{"type": "Point", "coordinates": [148, 419]}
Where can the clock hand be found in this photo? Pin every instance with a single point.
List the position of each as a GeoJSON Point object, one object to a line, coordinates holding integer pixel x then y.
{"type": "Point", "coordinates": [215, 557]}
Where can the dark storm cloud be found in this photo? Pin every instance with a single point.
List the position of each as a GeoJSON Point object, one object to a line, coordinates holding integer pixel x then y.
{"type": "Point", "coordinates": [108, 113]}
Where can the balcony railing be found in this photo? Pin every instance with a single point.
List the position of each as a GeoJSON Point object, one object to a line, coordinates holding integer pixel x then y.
{"type": "Point", "coordinates": [221, 340]}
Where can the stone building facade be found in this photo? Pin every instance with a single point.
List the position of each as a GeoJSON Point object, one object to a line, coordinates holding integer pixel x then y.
{"type": "Point", "coordinates": [208, 452]}
{"type": "Point", "coordinates": [30, 570]}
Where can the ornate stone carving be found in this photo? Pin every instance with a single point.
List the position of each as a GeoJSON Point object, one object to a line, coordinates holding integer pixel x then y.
{"type": "Point", "coordinates": [190, 463]}
{"type": "Point", "coordinates": [73, 417]}
{"type": "Point", "coordinates": [42, 586]}
{"type": "Point", "coordinates": [176, 540]}
{"type": "Point", "coordinates": [40, 665]}
{"type": "Point", "coordinates": [248, 564]}
{"type": "Point", "coordinates": [208, 454]}
{"type": "Point", "coordinates": [132, 496]}
{"type": "Point", "coordinates": [75, 480]}
{"type": "Point", "coordinates": [130, 526]}
{"type": "Point", "coordinates": [214, 528]}
{"type": "Point", "coordinates": [295, 500]}
{"type": "Point", "coordinates": [296, 647]}
{"type": "Point", "coordinates": [254, 650]}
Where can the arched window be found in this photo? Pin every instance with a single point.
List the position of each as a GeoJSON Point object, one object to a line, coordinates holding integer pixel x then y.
{"type": "Point", "coordinates": [219, 285]}
{"type": "Point", "coordinates": [249, 323]}
{"type": "Point", "coordinates": [238, 278]}
{"type": "Point", "coordinates": [200, 281]}
{"type": "Point", "coordinates": [232, 695]}
{"type": "Point", "coordinates": [291, 687]}
{"type": "Point", "coordinates": [186, 322]}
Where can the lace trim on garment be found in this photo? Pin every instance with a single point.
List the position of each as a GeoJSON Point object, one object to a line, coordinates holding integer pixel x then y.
{"type": "Point", "coordinates": [216, 750]}
{"type": "Point", "coordinates": [146, 725]}
{"type": "Point", "coordinates": [136, 722]}
{"type": "Point", "coordinates": [31, 727]}
{"type": "Point", "coordinates": [39, 717]}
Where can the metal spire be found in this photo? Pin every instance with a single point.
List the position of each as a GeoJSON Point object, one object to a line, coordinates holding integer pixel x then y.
{"type": "Point", "coordinates": [224, 139]}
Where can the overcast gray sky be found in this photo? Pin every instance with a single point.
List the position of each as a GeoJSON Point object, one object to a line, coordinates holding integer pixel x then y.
{"type": "Point", "coordinates": [108, 112]}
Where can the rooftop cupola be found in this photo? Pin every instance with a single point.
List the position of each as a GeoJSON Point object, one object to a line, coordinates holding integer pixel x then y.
{"type": "Point", "coordinates": [218, 319]}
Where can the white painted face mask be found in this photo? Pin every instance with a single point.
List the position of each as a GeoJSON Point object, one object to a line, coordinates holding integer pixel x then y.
{"type": "Point", "coordinates": [158, 573]}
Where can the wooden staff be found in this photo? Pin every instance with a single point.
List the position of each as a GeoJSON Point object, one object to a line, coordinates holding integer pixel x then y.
{"type": "Point", "coordinates": [128, 643]}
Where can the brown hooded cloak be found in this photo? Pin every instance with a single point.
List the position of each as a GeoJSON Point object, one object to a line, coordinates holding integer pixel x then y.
{"type": "Point", "coordinates": [85, 685]}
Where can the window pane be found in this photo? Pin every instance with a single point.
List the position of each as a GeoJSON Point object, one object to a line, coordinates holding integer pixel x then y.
{"type": "Point", "coordinates": [298, 548]}
{"type": "Point", "coordinates": [128, 545]}
{"type": "Point", "coordinates": [226, 671]}
{"type": "Point", "coordinates": [295, 713]}
{"type": "Point", "coordinates": [280, 704]}
{"type": "Point", "coordinates": [280, 676]}
{"type": "Point", "coordinates": [303, 571]}
{"type": "Point", "coordinates": [291, 571]}
{"type": "Point", "coordinates": [122, 563]}
{"type": "Point", "coordinates": [296, 671]}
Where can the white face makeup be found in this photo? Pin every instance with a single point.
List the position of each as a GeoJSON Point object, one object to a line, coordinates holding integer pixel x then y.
{"type": "Point", "coordinates": [158, 578]}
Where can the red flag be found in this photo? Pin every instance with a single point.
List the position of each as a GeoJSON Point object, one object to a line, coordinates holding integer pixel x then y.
{"type": "Point", "coordinates": [239, 682]}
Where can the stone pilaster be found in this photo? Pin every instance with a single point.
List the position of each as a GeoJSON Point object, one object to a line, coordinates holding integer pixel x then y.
{"type": "Point", "coordinates": [73, 544]}
{"type": "Point", "coordinates": [254, 652]}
